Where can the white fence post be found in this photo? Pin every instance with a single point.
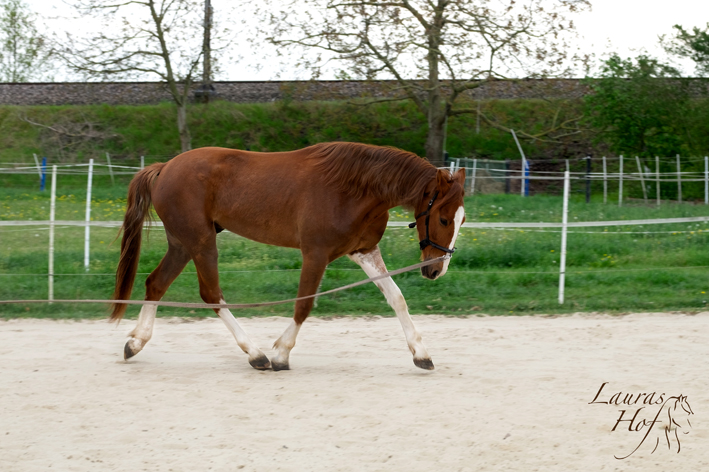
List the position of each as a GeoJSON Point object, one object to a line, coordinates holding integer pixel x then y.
{"type": "Point", "coordinates": [87, 231]}
{"type": "Point", "coordinates": [472, 182]}
{"type": "Point", "coordinates": [620, 182]}
{"type": "Point", "coordinates": [564, 227]}
{"type": "Point", "coordinates": [642, 178]}
{"type": "Point", "coordinates": [142, 162]}
{"type": "Point", "coordinates": [39, 168]}
{"type": "Point", "coordinates": [605, 181]}
{"type": "Point", "coordinates": [679, 181]}
{"type": "Point", "coordinates": [524, 164]}
{"type": "Point", "coordinates": [110, 168]}
{"type": "Point", "coordinates": [706, 180]}
{"type": "Point", "coordinates": [52, 208]}
{"type": "Point", "coordinates": [657, 174]}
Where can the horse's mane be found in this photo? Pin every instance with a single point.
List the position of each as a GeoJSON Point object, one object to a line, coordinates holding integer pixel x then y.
{"type": "Point", "coordinates": [396, 176]}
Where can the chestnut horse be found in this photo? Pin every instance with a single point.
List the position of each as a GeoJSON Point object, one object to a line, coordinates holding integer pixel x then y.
{"type": "Point", "coordinates": [328, 200]}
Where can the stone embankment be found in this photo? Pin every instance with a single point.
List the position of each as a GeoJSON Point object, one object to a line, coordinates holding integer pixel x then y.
{"type": "Point", "coordinates": [143, 93]}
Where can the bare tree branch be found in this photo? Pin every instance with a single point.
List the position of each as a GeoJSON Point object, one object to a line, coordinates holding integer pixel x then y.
{"type": "Point", "coordinates": [436, 50]}
{"type": "Point", "coordinates": [156, 37]}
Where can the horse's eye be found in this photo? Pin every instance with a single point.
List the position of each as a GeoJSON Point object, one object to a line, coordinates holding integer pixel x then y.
{"type": "Point", "coordinates": [444, 222]}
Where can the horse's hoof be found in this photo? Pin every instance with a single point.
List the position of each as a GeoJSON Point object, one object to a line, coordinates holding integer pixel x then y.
{"type": "Point", "coordinates": [281, 366]}
{"type": "Point", "coordinates": [260, 363]}
{"type": "Point", "coordinates": [426, 364]}
{"type": "Point", "coordinates": [133, 346]}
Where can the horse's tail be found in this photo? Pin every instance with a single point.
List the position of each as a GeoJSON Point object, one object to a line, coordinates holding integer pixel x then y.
{"type": "Point", "coordinates": [138, 208]}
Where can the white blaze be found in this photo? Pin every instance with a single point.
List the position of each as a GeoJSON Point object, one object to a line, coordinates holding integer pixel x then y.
{"type": "Point", "coordinates": [458, 222]}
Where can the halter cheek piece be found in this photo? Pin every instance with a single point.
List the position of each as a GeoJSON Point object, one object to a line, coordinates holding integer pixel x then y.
{"type": "Point", "coordinates": [427, 242]}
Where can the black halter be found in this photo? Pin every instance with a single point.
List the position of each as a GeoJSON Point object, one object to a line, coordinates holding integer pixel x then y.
{"type": "Point", "coordinates": [427, 242]}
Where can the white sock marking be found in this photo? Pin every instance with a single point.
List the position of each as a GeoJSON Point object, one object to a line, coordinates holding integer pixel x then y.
{"type": "Point", "coordinates": [242, 339]}
{"type": "Point", "coordinates": [146, 319]}
{"type": "Point", "coordinates": [373, 265]}
{"type": "Point", "coordinates": [285, 343]}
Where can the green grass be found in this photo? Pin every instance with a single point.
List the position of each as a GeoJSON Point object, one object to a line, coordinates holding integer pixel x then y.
{"type": "Point", "coordinates": [493, 271]}
{"type": "Point", "coordinates": [127, 132]}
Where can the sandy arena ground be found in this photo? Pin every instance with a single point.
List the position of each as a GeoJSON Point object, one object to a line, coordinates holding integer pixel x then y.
{"type": "Point", "coordinates": [508, 394]}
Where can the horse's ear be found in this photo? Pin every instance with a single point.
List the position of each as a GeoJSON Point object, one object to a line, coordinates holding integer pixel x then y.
{"type": "Point", "coordinates": [459, 176]}
{"type": "Point", "coordinates": [443, 181]}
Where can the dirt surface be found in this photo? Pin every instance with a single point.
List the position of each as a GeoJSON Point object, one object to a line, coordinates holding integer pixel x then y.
{"type": "Point", "coordinates": [508, 393]}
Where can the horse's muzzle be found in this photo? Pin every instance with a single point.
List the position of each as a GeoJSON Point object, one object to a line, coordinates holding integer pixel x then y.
{"type": "Point", "coordinates": [431, 271]}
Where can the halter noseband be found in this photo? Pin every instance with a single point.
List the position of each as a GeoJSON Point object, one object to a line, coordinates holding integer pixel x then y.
{"type": "Point", "coordinates": [427, 242]}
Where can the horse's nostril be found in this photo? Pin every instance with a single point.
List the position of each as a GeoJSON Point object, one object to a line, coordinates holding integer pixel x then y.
{"type": "Point", "coordinates": [434, 274]}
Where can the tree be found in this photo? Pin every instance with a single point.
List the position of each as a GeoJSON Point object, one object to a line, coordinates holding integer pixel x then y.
{"type": "Point", "coordinates": [693, 45]}
{"type": "Point", "coordinates": [155, 37]}
{"type": "Point", "coordinates": [24, 53]}
{"type": "Point", "coordinates": [639, 106]}
{"type": "Point", "coordinates": [436, 51]}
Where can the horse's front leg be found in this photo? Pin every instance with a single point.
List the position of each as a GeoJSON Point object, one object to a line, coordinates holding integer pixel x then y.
{"type": "Point", "coordinates": [373, 265]}
{"type": "Point", "coordinates": [314, 265]}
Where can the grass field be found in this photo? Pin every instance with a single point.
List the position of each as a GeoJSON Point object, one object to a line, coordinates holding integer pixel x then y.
{"type": "Point", "coordinates": [127, 131]}
{"type": "Point", "coordinates": [614, 269]}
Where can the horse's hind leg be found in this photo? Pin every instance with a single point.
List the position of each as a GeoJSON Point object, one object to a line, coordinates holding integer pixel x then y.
{"type": "Point", "coordinates": [205, 260]}
{"type": "Point", "coordinates": [156, 285]}
{"type": "Point", "coordinates": [373, 265]}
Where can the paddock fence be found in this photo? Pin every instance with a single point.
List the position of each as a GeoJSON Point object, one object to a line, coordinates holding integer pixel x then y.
{"type": "Point", "coordinates": [478, 174]}
{"type": "Point", "coordinates": [616, 174]}
{"type": "Point", "coordinates": [657, 180]}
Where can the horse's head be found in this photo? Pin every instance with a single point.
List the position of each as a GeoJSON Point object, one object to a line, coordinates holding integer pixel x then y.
{"type": "Point", "coordinates": [678, 414]}
{"type": "Point", "coordinates": [439, 216]}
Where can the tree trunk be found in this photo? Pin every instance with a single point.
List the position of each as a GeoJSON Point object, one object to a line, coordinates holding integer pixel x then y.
{"type": "Point", "coordinates": [185, 138]}
{"type": "Point", "coordinates": [437, 109]}
{"type": "Point", "coordinates": [435, 141]}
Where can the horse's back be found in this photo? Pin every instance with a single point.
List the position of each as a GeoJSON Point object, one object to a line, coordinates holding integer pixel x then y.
{"type": "Point", "coordinates": [220, 171]}
{"type": "Point", "coordinates": [257, 195]}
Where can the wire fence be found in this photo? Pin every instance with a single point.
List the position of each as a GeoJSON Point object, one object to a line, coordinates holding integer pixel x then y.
{"type": "Point", "coordinates": [527, 177]}
{"type": "Point", "coordinates": [477, 171]}
{"type": "Point", "coordinates": [523, 176]}
{"type": "Point", "coordinates": [562, 228]}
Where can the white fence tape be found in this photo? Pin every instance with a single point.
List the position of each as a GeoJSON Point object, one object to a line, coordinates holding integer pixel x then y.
{"type": "Point", "coordinates": [398, 224]}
